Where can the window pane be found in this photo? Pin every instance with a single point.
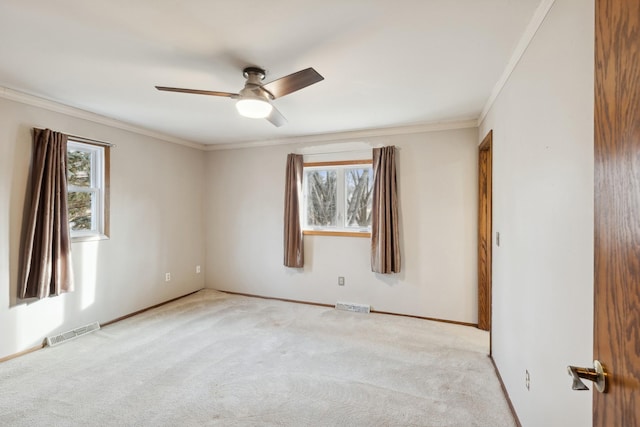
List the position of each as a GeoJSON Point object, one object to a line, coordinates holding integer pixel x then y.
{"type": "Point", "coordinates": [79, 168]}
{"type": "Point", "coordinates": [321, 198]}
{"type": "Point", "coordinates": [79, 206]}
{"type": "Point", "coordinates": [359, 188]}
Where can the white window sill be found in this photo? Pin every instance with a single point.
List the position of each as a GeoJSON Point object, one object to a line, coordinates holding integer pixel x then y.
{"type": "Point", "coordinates": [338, 233]}
{"type": "Point", "coordinates": [89, 238]}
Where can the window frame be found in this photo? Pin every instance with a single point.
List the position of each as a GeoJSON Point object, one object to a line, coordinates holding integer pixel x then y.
{"type": "Point", "coordinates": [341, 200]}
{"type": "Point", "coordinates": [99, 187]}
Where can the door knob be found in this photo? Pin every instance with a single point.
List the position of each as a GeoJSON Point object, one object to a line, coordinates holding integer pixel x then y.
{"type": "Point", "coordinates": [595, 374]}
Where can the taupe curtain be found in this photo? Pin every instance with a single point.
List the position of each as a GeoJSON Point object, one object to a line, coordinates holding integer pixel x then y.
{"type": "Point", "coordinates": [385, 238]}
{"type": "Point", "coordinates": [293, 242]}
{"type": "Point", "coordinates": [46, 253]}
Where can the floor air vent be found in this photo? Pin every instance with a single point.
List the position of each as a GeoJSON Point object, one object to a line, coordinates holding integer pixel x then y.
{"type": "Point", "coordinates": [69, 335]}
{"type": "Point", "coordinates": [356, 308]}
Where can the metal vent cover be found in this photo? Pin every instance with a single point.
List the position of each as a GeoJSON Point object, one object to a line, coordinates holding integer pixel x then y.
{"type": "Point", "coordinates": [75, 333]}
{"type": "Point", "coordinates": [354, 307]}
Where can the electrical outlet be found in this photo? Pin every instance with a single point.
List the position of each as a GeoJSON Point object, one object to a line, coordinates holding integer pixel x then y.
{"type": "Point", "coordinates": [197, 269]}
{"type": "Point", "coordinates": [167, 277]}
{"type": "Point", "coordinates": [340, 281]}
{"type": "Point", "coordinates": [527, 379]}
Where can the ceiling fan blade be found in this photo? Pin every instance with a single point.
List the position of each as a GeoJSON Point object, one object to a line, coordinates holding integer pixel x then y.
{"type": "Point", "coordinates": [197, 91]}
{"type": "Point", "coordinates": [276, 118]}
{"type": "Point", "coordinates": [293, 82]}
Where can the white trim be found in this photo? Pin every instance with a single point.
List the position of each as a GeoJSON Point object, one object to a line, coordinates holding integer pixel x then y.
{"type": "Point", "coordinates": [523, 44]}
{"type": "Point", "coordinates": [36, 101]}
{"type": "Point", "coordinates": [357, 134]}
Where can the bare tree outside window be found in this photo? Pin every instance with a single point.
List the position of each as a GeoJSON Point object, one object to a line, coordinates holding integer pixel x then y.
{"type": "Point", "coordinates": [359, 188]}
{"type": "Point", "coordinates": [321, 198]}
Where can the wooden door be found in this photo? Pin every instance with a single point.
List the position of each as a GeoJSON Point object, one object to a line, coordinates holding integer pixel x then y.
{"type": "Point", "coordinates": [484, 232]}
{"type": "Point", "coordinates": [617, 211]}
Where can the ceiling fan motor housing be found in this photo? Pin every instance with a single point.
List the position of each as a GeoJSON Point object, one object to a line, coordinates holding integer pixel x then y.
{"type": "Point", "coordinates": [253, 87]}
{"type": "Point", "coordinates": [254, 72]}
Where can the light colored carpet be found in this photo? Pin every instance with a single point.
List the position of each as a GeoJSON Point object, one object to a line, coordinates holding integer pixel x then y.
{"type": "Point", "coordinates": [217, 359]}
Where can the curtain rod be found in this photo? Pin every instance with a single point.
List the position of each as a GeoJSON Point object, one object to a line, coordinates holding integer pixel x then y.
{"type": "Point", "coordinates": [87, 140]}
{"type": "Point", "coordinates": [321, 153]}
{"type": "Point", "coordinates": [90, 140]}
{"type": "Point", "coordinates": [357, 150]}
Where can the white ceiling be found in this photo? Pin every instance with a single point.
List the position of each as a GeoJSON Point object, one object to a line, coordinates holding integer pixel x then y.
{"type": "Point", "coordinates": [386, 63]}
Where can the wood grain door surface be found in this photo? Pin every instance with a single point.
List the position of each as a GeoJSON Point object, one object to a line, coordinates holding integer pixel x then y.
{"type": "Point", "coordinates": [617, 211]}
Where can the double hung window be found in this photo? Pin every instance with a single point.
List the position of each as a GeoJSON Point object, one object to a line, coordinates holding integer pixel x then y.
{"type": "Point", "coordinates": [87, 187]}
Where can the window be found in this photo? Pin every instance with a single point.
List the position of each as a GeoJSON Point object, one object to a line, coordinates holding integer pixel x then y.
{"type": "Point", "coordinates": [337, 198]}
{"type": "Point", "coordinates": [87, 186]}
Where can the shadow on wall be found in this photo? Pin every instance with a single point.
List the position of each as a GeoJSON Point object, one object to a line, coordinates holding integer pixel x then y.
{"type": "Point", "coordinates": [36, 319]}
{"type": "Point", "coordinates": [20, 187]}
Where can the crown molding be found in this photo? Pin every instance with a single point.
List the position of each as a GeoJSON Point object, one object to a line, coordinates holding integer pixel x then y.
{"type": "Point", "coordinates": [24, 98]}
{"type": "Point", "coordinates": [528, 35]}
{"type": "Point", "coordinates": [349, 135]}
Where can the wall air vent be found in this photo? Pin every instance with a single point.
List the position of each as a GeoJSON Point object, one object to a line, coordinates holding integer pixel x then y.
{"type": "Point", "coordinates": [69, 335]}
{"type": "Point", "coordinates": [356, 308]}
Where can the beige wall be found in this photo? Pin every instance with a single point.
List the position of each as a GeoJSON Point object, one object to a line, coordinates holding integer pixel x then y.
{"type": "Point", "coordinates": [156, 227]}
{"type": "Point", "coordinates": [543, 208]}
{"type": "Point", "coordinates": [438, 196]}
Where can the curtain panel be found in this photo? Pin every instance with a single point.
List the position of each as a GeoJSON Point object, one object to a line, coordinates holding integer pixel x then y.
{"type": "Point", "coordinates": [46, 253]}
{"type": "Point", "coordinates": [385, 239]}
{"type": "Point", "coordinates": [293, 239]}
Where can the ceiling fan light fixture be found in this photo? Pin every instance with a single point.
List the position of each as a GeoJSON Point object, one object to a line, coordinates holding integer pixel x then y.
{"type": "Point", "coordinates": [254, 108]}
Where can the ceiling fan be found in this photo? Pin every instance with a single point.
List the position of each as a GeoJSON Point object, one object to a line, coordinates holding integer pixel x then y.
{"type": "Point", "coordinates": [254, 100]}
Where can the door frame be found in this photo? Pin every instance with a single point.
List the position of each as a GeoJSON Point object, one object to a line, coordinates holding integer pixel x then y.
{"type": "Point", "coordinates": [485, 223]}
